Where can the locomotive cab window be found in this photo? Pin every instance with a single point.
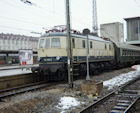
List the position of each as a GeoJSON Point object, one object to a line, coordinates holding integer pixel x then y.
{"type": "Point", "coordinates": [48, 43]}
{"type": "Point", "coordinates": [83, 44]}
{"type": "Point", "coordinates": [41, 44]}
{"type": "Point", "coordinates": [56, 43]}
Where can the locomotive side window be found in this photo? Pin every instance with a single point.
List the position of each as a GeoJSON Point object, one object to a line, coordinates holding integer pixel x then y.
{"type": "Point", "coordinates": [41, 45]}
{"type": "Point", "coordinates": [48, 43]}
{"type": "Point", "coordinates": [109, 47]}
{"type": "Point", "coordinates": [105, 46]}
{"type": "Point", "coordinates": [56, 43]}
{"type": "Point", "coordinates": [83, 43]}
{"type": "Point", "coordinates": [90, 44]}
{"type": "Point", "coordinates": [73, 43]}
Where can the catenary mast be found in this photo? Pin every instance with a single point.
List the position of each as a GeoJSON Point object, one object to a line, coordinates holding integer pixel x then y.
{"type": "Point", "coordinates": [95, 22]}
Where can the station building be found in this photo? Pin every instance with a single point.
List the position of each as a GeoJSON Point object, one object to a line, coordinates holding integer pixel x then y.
{"type": "Point", "coordinates": [11, 42]}
{"type": "Point", "coordinates": [133, 30]}
{"type": "Point", "coordinates": [113, 31]}
{"type": "Point", "coordinates": [10, 45]}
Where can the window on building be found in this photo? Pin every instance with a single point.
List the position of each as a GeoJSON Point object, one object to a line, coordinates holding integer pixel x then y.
{"type": "Point", "coordinates": [136, 30]}
{"type": "Point", "coordinates": [16, 42]}
{"type": "Point", "coordinates": [56, 43]}
{"type": "Point", "coordinates": [90, 44]}
{"type": "Point", "coordinates": [0, 44]}
{"type": "Point", "coordinates": [3, 41]}
{"type": "Point", "coordinates": [73, 43]}
{"type": "Point", "coordinates": [41, 44]}
{"type": "Point", "coordinates": [13, 41]}
{"type": "Point", "coordinates": [48, 43]}
{"type": "Point", "coordinates": [83, 44]}
{"type": "Point", "coordinates": [27, 44]}
{"type": "Point", "coordinates": [8, 41]}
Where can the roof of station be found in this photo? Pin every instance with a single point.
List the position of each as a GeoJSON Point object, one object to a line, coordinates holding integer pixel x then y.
{"type": "Point", "coordinates": [132, 18]}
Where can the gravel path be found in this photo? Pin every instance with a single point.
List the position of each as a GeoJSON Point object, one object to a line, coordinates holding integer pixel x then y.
{"type": "Point", "coordinates": [54, 99]}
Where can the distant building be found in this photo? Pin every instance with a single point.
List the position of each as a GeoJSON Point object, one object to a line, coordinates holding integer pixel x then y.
{"type": "Point", "coordinates": [133, 30]}
{"type": "Point", "coordinates": [11, 42]}
{"type": "Point", "coordinates": [113, 31]}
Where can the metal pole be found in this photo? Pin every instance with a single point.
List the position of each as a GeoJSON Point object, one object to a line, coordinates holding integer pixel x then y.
{"type": "Point", "coordinates": [87, 77]}
{"type": "Point", "coordinates": [138, 30]}
{"type": "Point", "coordinates": [69, 48]}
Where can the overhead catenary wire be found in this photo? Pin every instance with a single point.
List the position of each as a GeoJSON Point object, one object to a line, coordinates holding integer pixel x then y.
{"type": "Point", "coordinates": [13, 5]}
{"type": "Point", "coordinates": [16, 28]}
{"type": "Point", "coordinates": [38, 15]}
{"type": "Point", "coordinates": [78, 4]}
{"type": "Point", "coordinates": [138, 4]}
{"type": "Point", "coordinates": [43, 10]}
{"type": "Point", "coordinates": [60, 14]}
{"type": "Point", "coordinates": [23, 21]}
{"type": "Point", "coordinates": [57, 13]}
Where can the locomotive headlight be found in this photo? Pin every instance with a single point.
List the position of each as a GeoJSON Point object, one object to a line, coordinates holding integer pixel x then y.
{"type": "Point", "coordinates": [58, 58]}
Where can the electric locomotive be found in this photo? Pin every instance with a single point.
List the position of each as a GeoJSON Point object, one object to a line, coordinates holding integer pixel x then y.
{"type": "Point", "coordinates": [52, 54]}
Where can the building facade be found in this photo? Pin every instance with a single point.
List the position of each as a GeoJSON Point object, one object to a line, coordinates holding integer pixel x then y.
{"type": "Point", "coordinates": [113, 31]}
{"type": "Point", "coordinates": [11, 42]}
{"type": "Point", "coordinates": [133, 30]}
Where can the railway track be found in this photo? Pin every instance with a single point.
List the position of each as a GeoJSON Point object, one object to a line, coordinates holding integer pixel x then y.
{"type": "Point", "coordinates": [22, 89]}
{"type": "Point", "coordinates": [121, 100]}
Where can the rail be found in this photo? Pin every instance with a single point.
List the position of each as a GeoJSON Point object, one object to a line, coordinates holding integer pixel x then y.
{"type": "Point", "coordinates": [121, 106]}
{"type": "Point", "coordinates": [22, 89]}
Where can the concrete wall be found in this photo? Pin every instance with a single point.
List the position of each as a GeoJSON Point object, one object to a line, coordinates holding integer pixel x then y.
{"type": "Point", "coordinates": [133, 30]}
{"type": "Point", "coordinates": [113, 31]}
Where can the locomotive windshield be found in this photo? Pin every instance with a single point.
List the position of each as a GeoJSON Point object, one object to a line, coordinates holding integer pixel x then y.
{"type": "Point", "coordinates": [41, 44]}
{"type": "Point", "coordinates": [55, 42]}
{"type": "Point", "coordinates": [48, 43]}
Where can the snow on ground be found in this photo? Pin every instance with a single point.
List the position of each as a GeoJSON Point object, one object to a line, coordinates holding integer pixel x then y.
{"type": "Point", "coordinates": [122, 78]}
{"type": "Point", "coordinates": [14, 72]}
{"type": "Point", "coordinates": [67, 102]}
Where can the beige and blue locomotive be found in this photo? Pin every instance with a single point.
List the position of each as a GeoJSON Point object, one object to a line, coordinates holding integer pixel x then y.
{"type": "Point", "coordinates": [53, 54]}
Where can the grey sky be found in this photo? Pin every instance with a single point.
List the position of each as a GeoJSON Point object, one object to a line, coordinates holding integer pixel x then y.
{"type": "Point", "coordinates": [17, 17]}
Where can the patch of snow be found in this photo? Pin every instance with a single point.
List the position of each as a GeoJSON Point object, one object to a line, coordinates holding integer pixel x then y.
{"type": "Point", "coordinates": [122, 78]}
{"type": "Point", "coordinates": [136, 67]}
{"type": "Point", "coordinates": [67, 102]}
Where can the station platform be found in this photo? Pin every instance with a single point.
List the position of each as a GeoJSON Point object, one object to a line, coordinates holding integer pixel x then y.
{"type": "Point", "coordinates": [13, 72]}
{"type": "Point", "coordinates": [11, 67]}
{"type": "Point", "coordinates": [16, 70]}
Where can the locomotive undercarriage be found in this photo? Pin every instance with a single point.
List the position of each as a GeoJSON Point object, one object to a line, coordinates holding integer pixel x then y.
{"type": "Point", "coordinates": [53, 72]}
{"type": "Point", "coordinates": [96, 67]}
{"type": "Point", "coordinates": [58, 71]}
